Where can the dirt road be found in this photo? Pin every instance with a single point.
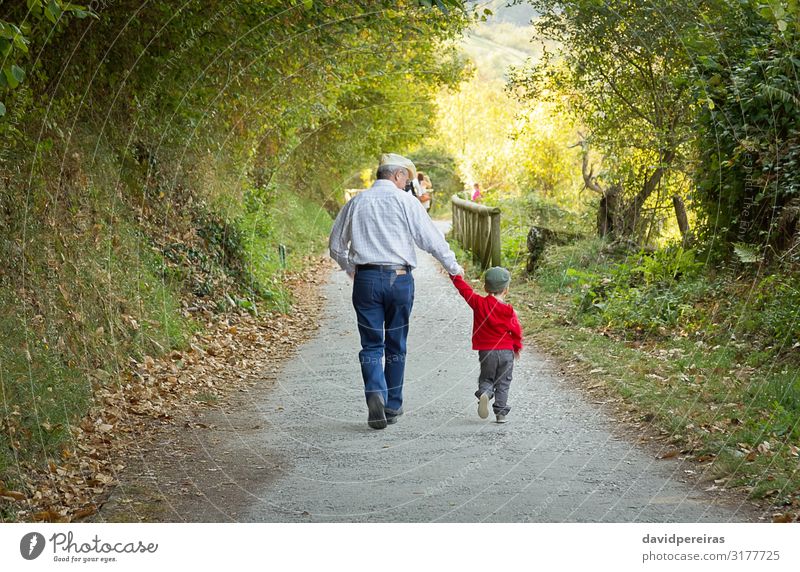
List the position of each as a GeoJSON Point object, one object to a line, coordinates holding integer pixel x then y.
{"type": "Point", "coordinates": [299, 449]}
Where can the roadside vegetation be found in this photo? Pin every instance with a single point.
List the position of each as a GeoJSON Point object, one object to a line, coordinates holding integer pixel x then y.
{"type": "Point", "coordinates": [662, 154]}
{"type": "Point", "coordinates": [161, 163]}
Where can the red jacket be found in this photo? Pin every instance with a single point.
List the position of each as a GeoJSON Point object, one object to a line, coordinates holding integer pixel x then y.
{"type": "Point", "coordinates": [495, 325]}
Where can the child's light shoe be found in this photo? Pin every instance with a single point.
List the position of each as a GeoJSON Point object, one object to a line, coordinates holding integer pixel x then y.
{"type": "Point", "coordinates": [483, 406]}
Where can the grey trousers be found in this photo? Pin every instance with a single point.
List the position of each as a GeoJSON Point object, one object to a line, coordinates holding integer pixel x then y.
{"type": "Point", "coordinates": [497, 367]}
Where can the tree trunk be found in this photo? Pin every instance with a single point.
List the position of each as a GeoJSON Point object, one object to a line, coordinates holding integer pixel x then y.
{"type": "Point", "coordinates": [683, 219]}
{"type": "Point", "coordinates": [787, 235]}
{"type": "Point", "coordinates": [608, 213]}
{"type": "Point", "coordinates": [630, 222]}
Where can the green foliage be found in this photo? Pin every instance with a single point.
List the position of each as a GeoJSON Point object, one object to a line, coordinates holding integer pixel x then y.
{"type": "Point", "coordinates": [620, 71]}
{"type": "Point", "coordinates": [667, 265]}
{"type": "Point", "coordinates": [520, 213]}
{"type": "Point", "coordinates": [643, 292]}
{"type": "Point", "coordinates": [553, 273]}
{"type": "Point", "coordinates": [550, 159]}
{"type": "Point", "coordinates": [773, 312]}
{"type": "Point", "coordinates": [298, 224]}
{"type": "Point", "coordinates": [514, 248]}
{"type": "Point", "coordinates": [474, 125]}
{"type": "Point", "coordinates": [505, 147]}
{"type": "Point", "coordinates": [671, 292]}
{"type": "Point", "coordinates": [15, 40]}
{"type": "Point", "coordinates": [151, 154]}
{"type": "Point", "coordinates": [537, 210]}
{"type": "Point", "coordinates": [749, 142]}
{"type": "Point", "coordinates": [674, 95]}
{"type": "Point", "coordinates": [747, 253]}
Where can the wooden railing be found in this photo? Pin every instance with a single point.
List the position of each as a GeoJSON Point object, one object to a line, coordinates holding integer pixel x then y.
{"type": "Point", "coordinates": [477, 229]}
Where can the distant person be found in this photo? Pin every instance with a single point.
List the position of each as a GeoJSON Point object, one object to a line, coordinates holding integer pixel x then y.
{"type": "Point", "coordinates": [425, 185]}
{"type": "Point", "coordinates": [477, 196]}
{"type": "Point", "coordinates": [373, 240]}
{"type": "Point", "coordinates": [413, 187]}
{"type": "Point", "coordinates": [497, 335]}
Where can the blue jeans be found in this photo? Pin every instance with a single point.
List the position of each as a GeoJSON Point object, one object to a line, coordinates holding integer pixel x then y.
{"type": "Point", "coordinates": [383, 300]}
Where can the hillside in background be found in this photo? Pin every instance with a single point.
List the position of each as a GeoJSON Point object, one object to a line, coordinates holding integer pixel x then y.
{"type": "Point", "coordinates": [504, 39]}
{"type": "Point", "coordinates": [519, 14]}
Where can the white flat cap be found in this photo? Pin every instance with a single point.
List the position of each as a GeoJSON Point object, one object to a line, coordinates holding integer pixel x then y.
{"type": "Point", "coordinates": [399, 161]}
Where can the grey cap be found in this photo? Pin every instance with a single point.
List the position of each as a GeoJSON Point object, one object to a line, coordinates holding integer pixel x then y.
{"type": "Point", "coordinates": [496, 279]}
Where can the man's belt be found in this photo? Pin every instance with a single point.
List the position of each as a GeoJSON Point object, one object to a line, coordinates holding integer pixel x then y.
{"type": "Point", "coordinates": [384, 267]}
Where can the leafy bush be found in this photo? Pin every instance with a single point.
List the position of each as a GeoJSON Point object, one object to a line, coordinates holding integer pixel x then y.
{"type": "Point", "coordinates": [557, 269]}
{"type": "Point", "coordinates": [772, 311]}
{"type": "Point", "coordinates": [670, 290]}
{"type": "Point", "coordinates": [519, 214]}
{"type": "Point", "coordinates": [514, 247]}
{"type": "Point", "coordinates": [667, 265]}
{"type": "Point", "coordinates": [643, 291]}
{"type": "Point", "coordinates": [748, 141]}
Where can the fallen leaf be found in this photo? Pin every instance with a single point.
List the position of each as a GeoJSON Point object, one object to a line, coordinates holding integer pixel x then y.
{"type": "Point", "coordinates": [84, 512]}
{"type": "Point", "coordinates": [784, 517]}
{"type": "Point", "coordinates": [46, 516]}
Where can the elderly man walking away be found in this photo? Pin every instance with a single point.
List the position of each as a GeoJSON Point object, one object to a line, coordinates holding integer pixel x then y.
{"type": "Point", "coordinates": [373, 241]}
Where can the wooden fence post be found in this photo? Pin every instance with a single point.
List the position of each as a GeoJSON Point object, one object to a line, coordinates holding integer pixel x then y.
{"type": "Point", "coordinates": [477, 229]}
{"type": "Point", "coordinates": [495, 240]}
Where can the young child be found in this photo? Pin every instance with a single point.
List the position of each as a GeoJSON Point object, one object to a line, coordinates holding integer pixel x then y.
{"type": "Point", "coordinates": [497, 335]}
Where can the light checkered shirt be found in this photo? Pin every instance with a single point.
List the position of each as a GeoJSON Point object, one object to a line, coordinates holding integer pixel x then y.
{"type": "Point", "coordinates": [381, 226]}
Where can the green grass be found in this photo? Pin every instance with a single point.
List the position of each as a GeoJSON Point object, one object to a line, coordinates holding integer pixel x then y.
{"type": "Point", "coordinates": [105, 303]}
{"type": "Point", "coordinates": [300, 225]}
{"type": "Point", "coordinates": [99, 293]}
{"type": "Point", "coordinates": [206, 398]}
{"type": "Point", "coordinates": [39, 395]}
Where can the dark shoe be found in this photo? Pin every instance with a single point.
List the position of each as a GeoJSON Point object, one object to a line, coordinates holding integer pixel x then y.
{"type": "Point", "coordinates": [377, 417]}
{"type": "Point", "coordinates": [391, 415]}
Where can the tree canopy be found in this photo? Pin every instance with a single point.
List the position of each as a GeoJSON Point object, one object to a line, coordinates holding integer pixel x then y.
{"type": "Point", "coordinates": [695, 101]}
{"type": "Point", "coordinates": [316, 85]}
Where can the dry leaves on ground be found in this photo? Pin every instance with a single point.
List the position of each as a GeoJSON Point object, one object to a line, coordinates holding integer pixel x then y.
{"type": "Point", "coordinates": [234, 350]}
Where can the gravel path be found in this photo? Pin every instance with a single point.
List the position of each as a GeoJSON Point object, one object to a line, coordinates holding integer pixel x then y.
{"type": "Point", "coordinates": [556, 460]}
